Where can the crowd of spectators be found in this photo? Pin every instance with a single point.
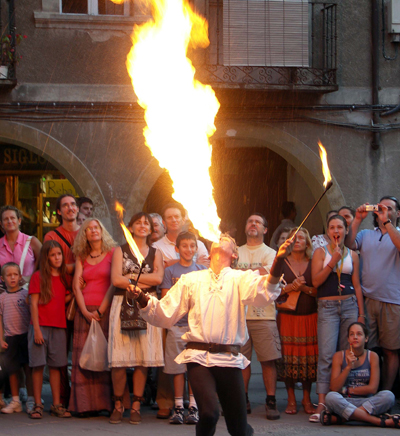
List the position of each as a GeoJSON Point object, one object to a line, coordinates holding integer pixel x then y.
{"type": "Point", "coordinates": [339, 294]}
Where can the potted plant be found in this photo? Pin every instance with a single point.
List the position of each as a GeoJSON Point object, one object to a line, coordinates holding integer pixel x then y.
{"type": "Point", "coordinates": [8, 55]}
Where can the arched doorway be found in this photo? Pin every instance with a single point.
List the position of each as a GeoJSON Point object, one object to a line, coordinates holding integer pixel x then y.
{"type": "Point", "coordinates": [45, 148]}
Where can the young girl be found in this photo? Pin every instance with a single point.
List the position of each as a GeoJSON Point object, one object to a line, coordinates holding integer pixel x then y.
{"type": "Point", "coordinates": [354, 382]}
{"type": "Point", "coordinates": [47, 334]}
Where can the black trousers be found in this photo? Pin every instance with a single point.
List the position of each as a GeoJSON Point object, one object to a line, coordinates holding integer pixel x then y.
{"type": "Point", "coordinates": [225, 384]}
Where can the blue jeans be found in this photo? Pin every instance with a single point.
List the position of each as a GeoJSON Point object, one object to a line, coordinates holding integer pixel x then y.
{"type": "Point", "coordinates": [334, 318]}
{"type": "Point", "coordinates": [345, 407]}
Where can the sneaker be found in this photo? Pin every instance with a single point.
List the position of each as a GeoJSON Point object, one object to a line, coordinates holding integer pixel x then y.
{"type": "Point", "coordinates": [272, 411]}
{"type": "Point", "coordinates": [178, 415]}
{"type": "Point", "coordinates": [29, 406]}
{"type": "Point", "coordinates": [192, 416]}
{"type": "Point", "coordinates": [12, 406]}
{"type": "Point", "coordinates": [23, 395]}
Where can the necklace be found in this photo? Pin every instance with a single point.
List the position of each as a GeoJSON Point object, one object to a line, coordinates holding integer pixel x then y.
{"type": "Point", "coordinates": [94, 257]}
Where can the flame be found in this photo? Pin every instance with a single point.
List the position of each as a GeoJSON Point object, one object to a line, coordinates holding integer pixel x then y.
{"type": "Point", "coordinates": [179, 110]}
{"type": "Point", "coordinates": [128, 235]}
{"type": "Point", "coordinates": [325, 167]}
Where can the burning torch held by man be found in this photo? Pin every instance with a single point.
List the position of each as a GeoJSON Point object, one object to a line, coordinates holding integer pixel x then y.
{"type": "Point", "coordinates": [216, 302]}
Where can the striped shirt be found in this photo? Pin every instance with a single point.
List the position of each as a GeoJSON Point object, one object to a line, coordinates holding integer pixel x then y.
{"type": "Point", "coordinates": [15, 312]}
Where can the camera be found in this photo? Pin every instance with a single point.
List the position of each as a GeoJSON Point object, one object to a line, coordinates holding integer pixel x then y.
{"type": "Point", "coordinates": [372, 207]}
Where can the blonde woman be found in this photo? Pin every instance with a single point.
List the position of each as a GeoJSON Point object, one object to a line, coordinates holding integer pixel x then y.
{"type": "Point", "coordinates": [93, 248]}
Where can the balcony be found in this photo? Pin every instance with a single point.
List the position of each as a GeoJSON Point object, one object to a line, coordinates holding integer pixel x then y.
{"type": "Point", "coordinates": [265, 50]}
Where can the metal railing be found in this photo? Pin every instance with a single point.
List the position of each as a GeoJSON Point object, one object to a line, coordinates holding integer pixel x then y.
{"type": "Point", "coordinates": [320, 75]}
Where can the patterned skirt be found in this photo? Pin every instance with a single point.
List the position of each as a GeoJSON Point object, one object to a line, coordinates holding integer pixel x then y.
{"type": "Point", "coordinates": [299, 347]}
{"type": "Point", "coordinates": [130, 348]}
{"type": "Point", "coordinates": [90, 391]}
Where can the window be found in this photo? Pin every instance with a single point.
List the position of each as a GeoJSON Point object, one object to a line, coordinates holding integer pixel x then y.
{"type": "Point", "coordinates": [95, 7]}
{"type": "Point", "coordinates": [266, 33]}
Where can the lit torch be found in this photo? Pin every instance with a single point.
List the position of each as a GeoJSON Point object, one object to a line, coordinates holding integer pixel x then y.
{"type": "Point", "coordinates": [327, 183]}
{"type": "Point", "coordinates": [129, 239]}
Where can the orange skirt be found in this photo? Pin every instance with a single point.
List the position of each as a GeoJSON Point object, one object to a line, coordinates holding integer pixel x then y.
{"type": "Point", "coordinates": [299, 347]}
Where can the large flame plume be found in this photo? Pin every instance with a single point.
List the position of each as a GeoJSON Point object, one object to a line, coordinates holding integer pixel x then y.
{"type": "Point", "coordinates": [325, 168]}
{"type": "Point", "coordinates": [179, 110]}
{"type": "Point", "coordinates": [128, 235]}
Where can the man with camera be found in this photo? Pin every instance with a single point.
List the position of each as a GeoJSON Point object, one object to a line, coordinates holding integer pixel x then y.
{"type": "Point", "coordinates": [380, 279]}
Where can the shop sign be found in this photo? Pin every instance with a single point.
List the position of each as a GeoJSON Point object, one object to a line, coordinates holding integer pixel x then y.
{"type": "Point", "coordinates": [56, 187]}
{"type": "Point", "coordinates": [17, 158]}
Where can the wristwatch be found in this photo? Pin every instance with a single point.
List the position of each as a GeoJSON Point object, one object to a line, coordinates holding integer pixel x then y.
{"type": "Point", "coordinates": [386, 222]}
{"type": "Point", "coordinates": [100, 314]}
{"type": "Point", "coordinates": [132, 282]}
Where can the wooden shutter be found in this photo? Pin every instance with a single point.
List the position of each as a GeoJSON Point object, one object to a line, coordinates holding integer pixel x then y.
{"type": "Point", "coordinates": [266, 33]}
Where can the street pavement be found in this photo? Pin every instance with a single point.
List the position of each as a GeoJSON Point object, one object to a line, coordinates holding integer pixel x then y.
{"type": "Point", "coordinates": [19, 423]}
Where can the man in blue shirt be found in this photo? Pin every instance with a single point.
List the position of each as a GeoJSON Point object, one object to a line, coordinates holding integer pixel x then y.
{"type": "Point", "coordinates": [380, 280]}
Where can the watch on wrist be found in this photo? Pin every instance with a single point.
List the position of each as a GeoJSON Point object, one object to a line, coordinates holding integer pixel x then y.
{"type": "Point", "coordinates": [100, 314]}
{"type": "Point", "coordinates": [386, 222]}
{"type": "Point", "coordinates": [132, 282]}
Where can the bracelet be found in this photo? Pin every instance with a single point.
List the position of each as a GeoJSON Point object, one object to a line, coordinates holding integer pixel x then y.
{"type": "Point", "coordinates": [100, 315]}
{"type": "Point", "coordinates": [364, 316]}
{"type": "Point", "coordinates": [386, 222]}
{"type": "Point", "coordinates": [329, 266]}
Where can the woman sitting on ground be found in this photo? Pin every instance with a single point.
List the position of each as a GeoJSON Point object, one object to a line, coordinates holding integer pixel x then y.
{"type": "Point", "coordinates": [354, 382]}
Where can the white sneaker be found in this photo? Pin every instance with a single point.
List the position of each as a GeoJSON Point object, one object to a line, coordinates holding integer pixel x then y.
{"type": "Point", "coordinates": [12, 407]}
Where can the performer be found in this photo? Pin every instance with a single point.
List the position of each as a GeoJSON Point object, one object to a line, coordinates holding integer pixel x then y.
{"type": "Point", "coordinates": [216, 302]}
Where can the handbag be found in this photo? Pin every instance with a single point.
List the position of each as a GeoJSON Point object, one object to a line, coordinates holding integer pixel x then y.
{"type": "Point", "coordinates": [289, 300]}
{"type": "Point", "coordinates": [71, 309]}
{"type": "Point", "coordinates": [130, 315]}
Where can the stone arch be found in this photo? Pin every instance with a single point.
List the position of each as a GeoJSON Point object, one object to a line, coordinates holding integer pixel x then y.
{"type": "Point", "coordinates": [62, 158]}
{"type": "Point", "coordinates": [298, 154]}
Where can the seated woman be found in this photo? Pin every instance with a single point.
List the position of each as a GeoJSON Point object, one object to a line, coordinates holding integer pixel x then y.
{"type": "Point", "coordinates": [354, 382]}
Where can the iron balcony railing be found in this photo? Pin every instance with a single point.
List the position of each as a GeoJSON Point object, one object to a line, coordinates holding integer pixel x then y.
{"type": "Point", "coordinates": [319, 75]}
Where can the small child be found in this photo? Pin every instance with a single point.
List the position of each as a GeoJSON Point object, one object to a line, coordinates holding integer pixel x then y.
{"type": "Point", "coordinates": [14, 324]}
{"type": "Point", "coordinates": [47, 332]}
{"type": "Point", "coordinates": [186, 246]}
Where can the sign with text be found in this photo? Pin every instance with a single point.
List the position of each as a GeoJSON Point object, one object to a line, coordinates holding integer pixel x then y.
{"type": "Point", "coordinates": [56, 187]}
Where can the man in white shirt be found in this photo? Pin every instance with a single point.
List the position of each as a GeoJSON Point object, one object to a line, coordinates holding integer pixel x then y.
{"type": "Point", "coordinates": [261, 321]}
{"type": "Point", "coordinates": [216, 301]}
{"type": "Point", "coordinates": [174, 219]}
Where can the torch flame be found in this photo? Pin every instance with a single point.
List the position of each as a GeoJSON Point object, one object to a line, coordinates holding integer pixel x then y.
{"type": "Point", "coordinates": [179, 110]}
{"type": "Point", "coordinates": [325, 167]}
{"type": "Point", "coordinates": [128, 235]}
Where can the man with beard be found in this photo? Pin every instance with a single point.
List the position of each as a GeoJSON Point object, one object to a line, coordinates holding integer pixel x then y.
{"type": "Point", "coordinates": [261, 321]}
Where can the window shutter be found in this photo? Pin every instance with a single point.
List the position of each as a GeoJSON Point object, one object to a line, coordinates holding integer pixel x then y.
{"type": "Point", "coordinates": [266, 33]}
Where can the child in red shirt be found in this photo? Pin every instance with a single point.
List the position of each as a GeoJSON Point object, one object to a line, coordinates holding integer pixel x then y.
{"type": "Point", "coordinates": [47, 333]}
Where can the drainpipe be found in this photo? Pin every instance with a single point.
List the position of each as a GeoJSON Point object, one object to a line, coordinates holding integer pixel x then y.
{"type": "Point", "coordinates": [376, 136]}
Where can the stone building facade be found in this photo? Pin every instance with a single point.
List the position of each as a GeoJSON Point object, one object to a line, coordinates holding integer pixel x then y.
{"type": "Point", "coordinates": [70, 102]}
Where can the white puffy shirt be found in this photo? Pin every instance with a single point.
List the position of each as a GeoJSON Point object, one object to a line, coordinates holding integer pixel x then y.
{"type": "Point", "coordinates": [216, 307]}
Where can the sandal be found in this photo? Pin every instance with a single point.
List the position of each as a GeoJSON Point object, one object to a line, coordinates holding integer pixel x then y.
{"type": "Point", "coordinates": [59, 411]}
{"type": "Point", "coordinates": [315, 417]}
{"type": "Point", "coordinates": [36, 412]}
{"type": "Point", "coordinates": [326, 418]}
{"type": "Point", "coordinates": [135, 417]}
{"type": "Point", "coordinates": [291, 408]}
{"type": "Point", "coordinates": [116, 415]}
